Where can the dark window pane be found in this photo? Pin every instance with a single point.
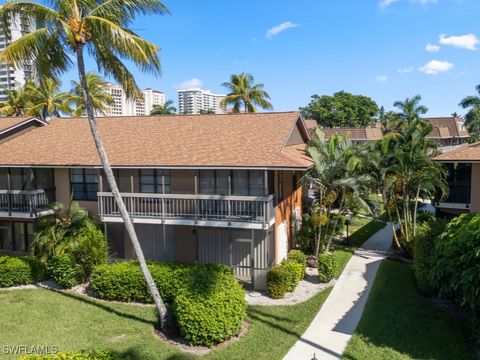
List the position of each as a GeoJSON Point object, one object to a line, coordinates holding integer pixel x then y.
{"type": "Point", "coordinates": [240, 182]}
{"type": "Point", "coordinates": [256, 183]}
{"type": "Point", "coordinates": [207, 182]}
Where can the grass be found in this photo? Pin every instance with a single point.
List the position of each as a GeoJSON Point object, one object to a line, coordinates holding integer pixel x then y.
{"type": "Point", "coordinates": [363, 233]}
{"type": "Point", "coordinates": [400, 324]}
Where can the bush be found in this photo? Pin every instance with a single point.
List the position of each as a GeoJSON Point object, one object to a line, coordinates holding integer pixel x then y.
{"type": "Point", "coordinates": [456, 261]}
{"type": "Point", "coordinates": [299, 257]}
{"type": "Point", "coordinates": [327, 266]}
{"type": "Point", "coordinates": [423, 248]}
{"type": "Point", "coordinates": [64, 270]}
{"type": "Point", "coordinates": [79, 355]}
{"type": "Point", "coordinates": [20, 271]}
{"type": "Point", "coordinates": [284, 278]}
{"type": "Point", "coordinates": [210, 307]}
{"type": "Point", "coordinates": [89, 249]}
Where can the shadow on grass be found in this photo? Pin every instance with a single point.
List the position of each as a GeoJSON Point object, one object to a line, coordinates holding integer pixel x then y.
{"type": "Point", "coordinates": [97, 303]}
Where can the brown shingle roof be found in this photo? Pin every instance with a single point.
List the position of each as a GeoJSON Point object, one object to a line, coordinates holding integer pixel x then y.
{"type": "Point", "coordinates": [7, 123]}
{"type": "Point", "coordinates": [465, 153]}
{"type": "Point", "coordinates": [454, 125]}
{"type": "Point", "coordinates": [244, 140]}
{"type": "Point", "coordinates": [311, 124]}
{"type": "Point", "coordinates": [358, 134]}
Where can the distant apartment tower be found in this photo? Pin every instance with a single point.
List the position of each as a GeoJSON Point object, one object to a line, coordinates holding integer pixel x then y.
{"type": "Point", "coordinates": [193, 101]}
{"type": "Point", "coordinates": [10, 77]}
{"type": "Point", "coordinates": [125, 107]}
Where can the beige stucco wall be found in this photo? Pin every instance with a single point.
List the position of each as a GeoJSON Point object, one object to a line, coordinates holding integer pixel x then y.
{"type": "Point", "coordinates": [475, 189]}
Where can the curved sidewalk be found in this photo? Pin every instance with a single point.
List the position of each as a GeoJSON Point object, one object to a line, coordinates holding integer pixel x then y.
{"type": "Point", "coordinates": [333, 326]}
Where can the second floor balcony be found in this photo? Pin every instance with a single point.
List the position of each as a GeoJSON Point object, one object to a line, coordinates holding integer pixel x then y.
{"type": "Point", "coordinates": [23, 204]}
{"type": "Point", "coordinates": [203, 210]}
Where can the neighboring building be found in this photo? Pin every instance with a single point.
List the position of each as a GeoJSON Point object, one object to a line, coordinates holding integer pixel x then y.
{"type": "Point", "coordinates": [463, 165]}
{"type": "Point", "coordinates": [10, 77]}
{"type": "Point", "coordinates": [447, 132]}
{"type": "Point", "coordinates": [193, 101]}
{"type": "Point", "coordinates": [209, 197]}
{"type": "Point", "coordinates": [123, 106]}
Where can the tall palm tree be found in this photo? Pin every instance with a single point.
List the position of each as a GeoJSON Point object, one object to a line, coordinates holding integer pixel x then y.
{"type": "Point", "coordinates": [411, 109]}
{"type": "Point", "coordinates": [166, 109]}
{"type": "Point", "coordinates": [15, 105]}
{"type": "Point", "coordinates": [472, 118]}
{"type": "Point", "coordinates": [97, 88]}
{"type": "Point", "coordinates": [67, 29]}
{"type": "Point", "coordinates": [243, 92]}
{"type": "Point", "coordinates": [45, 100]}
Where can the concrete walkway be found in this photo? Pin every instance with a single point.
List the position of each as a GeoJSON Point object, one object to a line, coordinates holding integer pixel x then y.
{"type": "Point", "coordinates": [328, 334]}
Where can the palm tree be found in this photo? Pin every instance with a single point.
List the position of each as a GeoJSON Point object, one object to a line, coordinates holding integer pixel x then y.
{"type": "Point", "coordinates": [472, 118]}
{"type": "Point", "coordinates": [166, 109]}
{"type": "Point", "coordinates": [15, 105]}
{"type": "Point", "coordinates": [243, 92]}
{"type": "Point", "coordinates": [411, 109]}
{"type": "Point", "coordinates": [99, 95]}
{"type": "Point", "coordinates": [45, 100]}
{"type": "Point", "coordinates": [66, 30]}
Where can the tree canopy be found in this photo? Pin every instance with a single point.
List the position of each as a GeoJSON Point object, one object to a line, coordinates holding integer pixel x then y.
{"type": "Point", "coordinates": [341, 110]}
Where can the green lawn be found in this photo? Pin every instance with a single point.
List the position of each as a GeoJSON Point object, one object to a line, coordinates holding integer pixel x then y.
{"type": "Point", "coordinates": [399, 324]}
{"type": "Point", "coordinates": [361, 234]}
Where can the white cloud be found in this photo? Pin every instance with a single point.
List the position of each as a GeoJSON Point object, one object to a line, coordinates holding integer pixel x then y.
{"type": "Point", "coordinates": [279, 28]}
{"type": "Point", "coordinates": [469, 41]}
{"type": "Point", "coordinates": [191, 84]}
{"type": "Point", "coordinates": [435, 67]}
{"type": "Point", "coordinates": [381, 78]}
{"type": "Point", "coordinates": [405, 70]}
{"type": "Point", "coordinates": [432, 48]}
{"type": "Point", "coordinates": [386, 3]}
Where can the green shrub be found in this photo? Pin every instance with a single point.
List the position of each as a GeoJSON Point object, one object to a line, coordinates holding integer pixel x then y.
{"type": "Point", "coordinates": [89, 249]}
{"type": "Point", "coordinates": [64, 270]}
{"type": "Point", "coordinates": [14, 271]}
{"type": "Point", "coordinates": [299, 257]}
{"type": "Point", "coordinates": [423, 249]}
{"type": "Point", "coordinates": [456, 261]}
{"type": "Point", "coordinates": [327, 266]}
{"type": "Point", "coordinates": [78, 355]}
{"type": "Point", "coordinates": [210, 307]}
{"type": "Point", "coordinates": [284, 278]}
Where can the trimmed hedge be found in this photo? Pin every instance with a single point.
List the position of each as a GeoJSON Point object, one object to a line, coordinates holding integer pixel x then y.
{"type": "Point", "coordinates": [78, 355]}
{"type": "Point", "coordinates": [327, 266]}
{"type": "Point", "coordinates": [64, 270]}
{"type": "Point", "coordinates": [210, 308]}
{"type": "Point", "coordinates": [299, 257]}
{"type": "Point", "coordinates": [284, 278]}
{"type": "Point", "coordinates": [20, 271]}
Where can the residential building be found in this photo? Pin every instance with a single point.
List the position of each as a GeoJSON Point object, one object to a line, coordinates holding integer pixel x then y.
{"type": "Point", "coordinates": [209, 197]}
{"type": "Point", "coordinates": [122, 106]}
{"type": "Point", "coordinates": [10, 77]}
{"type": "Point", "coordinates": [446, 131]}
{"type": "Point", "coordinates": [463, 165]}
{"type": "Point", "coordinates": [194, 101]}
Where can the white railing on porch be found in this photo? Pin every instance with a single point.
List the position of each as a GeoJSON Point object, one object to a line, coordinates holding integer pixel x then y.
{"type": "Point", "coordinates": [14, 202]}
{"type": "Point", "coordinates": [251, 209]}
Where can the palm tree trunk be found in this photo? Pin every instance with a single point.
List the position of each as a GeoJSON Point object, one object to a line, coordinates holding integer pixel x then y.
{"type": "Point", "coordinates": [415, 211]}
{"type": "Point", "coordinates": [162, 310]}
{"type": "Point", "coordinates": [390, 218]}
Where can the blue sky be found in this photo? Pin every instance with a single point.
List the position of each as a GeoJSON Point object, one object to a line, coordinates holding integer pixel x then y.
{"type": "Point", "coordinates": [370, 47]}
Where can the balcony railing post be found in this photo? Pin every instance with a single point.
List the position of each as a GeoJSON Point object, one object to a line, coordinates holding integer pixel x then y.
{"type": "Point", "coordinates": [9, 197]}
{"type": "Point", "coordinates": [229, 201]}
{"type": "Point", "coordinates": [163, 209]}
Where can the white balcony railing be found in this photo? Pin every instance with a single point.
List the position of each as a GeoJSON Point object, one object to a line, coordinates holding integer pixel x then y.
{"type": "Point", "coordinates": [23, 202]}
{"type": "Point", "coordinates": [198, 208]}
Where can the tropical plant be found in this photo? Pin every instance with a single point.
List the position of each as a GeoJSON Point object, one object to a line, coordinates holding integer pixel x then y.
{"type": "Point", "coordinates": [244, 93]}
{"type": "Point", "coordinates": [99, 95]}
{"type": "Point", "coordinates": [208, 111]}
{"type": "Point", "coordinates": [16, 103]}
{"type": "Point", "coordinates": [472, 118]}
{"type": "Point", "coordinates": [410, 108]}
{"type": "Point", "coordinates": [45, 99]}
{"type": "Point", "coordinates": [337, 176]}
{"type": "Point", "coordinates": [101, 27]}
{"type": "Point", "coordinates": [166, 109]}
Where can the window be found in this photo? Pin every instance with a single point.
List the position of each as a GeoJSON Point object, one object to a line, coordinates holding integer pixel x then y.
{"type": "Point", "coordinates": [155, 181]}
{"type": "Point", "coordinates": [84, 184]}
{"type": "Point", "coordinates": [214, 182]}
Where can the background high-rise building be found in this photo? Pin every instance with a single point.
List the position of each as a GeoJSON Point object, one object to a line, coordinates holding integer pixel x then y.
{"type": "Point", "coordinates": [10, 77]}
{"type": "Point", "coordinates": [127, 107]}
{"type": "Point", "coordinates": [193, 101]}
